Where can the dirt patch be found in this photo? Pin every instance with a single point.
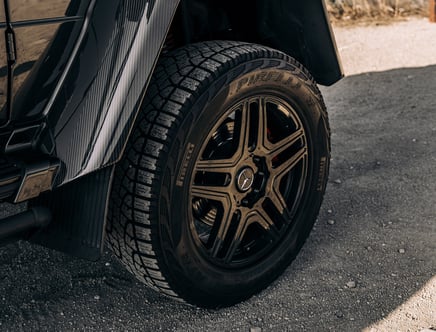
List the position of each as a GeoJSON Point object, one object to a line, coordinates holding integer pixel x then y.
{"type": "Point", "coordinates": [375, 12]}
{"type": "Point", "coordinates": [355, 9]}
{"type": "Point", "coordinates": [373, 21]}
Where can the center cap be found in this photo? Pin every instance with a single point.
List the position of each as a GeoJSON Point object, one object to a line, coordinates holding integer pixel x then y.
{"type": "Point", "coordinates": [245, 179]}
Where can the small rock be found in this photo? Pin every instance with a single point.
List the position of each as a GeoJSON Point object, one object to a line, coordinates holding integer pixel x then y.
{"type": "Point", "coordinates": [331, 222]}
{"type": "Point", "coordinates": [255, 329]}
{"type": "Point", "coordinates": [351, 284]}
{"type": "Point", "coordinates": [329, 211]}
{"type": "Point", "coordinates": [402, 251]}
{"type": "Point", "coordinates": [107, 264]}
{"type": "Point", "coordinates": [369, 248]}
{"type": "Point", "coordinates": [96, 297]}
{"type": "Point", "coordinates": [414, 140]}
{"type": "Point", "coordinates": [337, 181]}
{"type": "Point", "coordinates": [339, 314]}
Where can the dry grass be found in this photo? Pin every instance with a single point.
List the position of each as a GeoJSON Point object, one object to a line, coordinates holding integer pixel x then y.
{"type": "Point", "coordinates": [346, 10]}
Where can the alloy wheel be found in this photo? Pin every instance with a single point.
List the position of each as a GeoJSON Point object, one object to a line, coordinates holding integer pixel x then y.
{"type": "Point", "coordinates": [249, 181]}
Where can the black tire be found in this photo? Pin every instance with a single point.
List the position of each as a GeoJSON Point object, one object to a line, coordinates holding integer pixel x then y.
{"type": "Point", "coordinates": [164, 222]}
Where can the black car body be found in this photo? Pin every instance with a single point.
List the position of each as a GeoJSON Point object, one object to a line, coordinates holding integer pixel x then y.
{"type": "Point", "coordinates": [73, 76]}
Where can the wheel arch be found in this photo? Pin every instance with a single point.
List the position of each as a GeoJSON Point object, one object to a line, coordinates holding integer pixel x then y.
{"type": "Point", "coordinates": [300, 29]}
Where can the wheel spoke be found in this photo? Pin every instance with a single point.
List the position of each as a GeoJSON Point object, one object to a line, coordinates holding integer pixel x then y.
{"type": "Point", "coordinates": [274, 193]}
{"type": "Point", "coordinates": [267, 223]}
{"type": "Point", "coordinates": [215, 193]}
{"type": "Point", "coordinates": [244, 135]}
{"type": "Point", "coordinates": [277, 199]}
{"type": "Point", "coordinates": [236, 240]}
{"type": "Point", "coordinates": [262, 131]}
{"type": "Point", "coordinates": [255, 216]}
{"type": "Point", "coordinates": [285, 144]}
{"type": "Point", "coordinates": [227, 165]}
{"type": "Point", "coordinates": [289, 164]}
{"type": "Point", "coordinates": [215, 166]}
{"type": "Point", "coordinates": [223, 229]}
{"type": "Point", "coordinates": [218, 194]}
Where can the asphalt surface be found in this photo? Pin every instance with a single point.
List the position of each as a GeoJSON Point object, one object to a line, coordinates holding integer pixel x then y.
{"type": "Point", "coordinates": [369, 263]}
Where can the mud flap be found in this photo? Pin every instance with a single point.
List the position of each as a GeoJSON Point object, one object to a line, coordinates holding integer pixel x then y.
{"type": "Point", "coordinates": [79, 216]}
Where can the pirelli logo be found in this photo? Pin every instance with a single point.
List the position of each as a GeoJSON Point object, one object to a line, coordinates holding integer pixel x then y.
{"type": "Point", "coordinates": [184, 168]}
{"type": "Point", "coordinates": [322, 173]}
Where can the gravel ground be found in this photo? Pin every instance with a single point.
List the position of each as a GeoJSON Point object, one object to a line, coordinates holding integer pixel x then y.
{"type": "Point", "coordinates": [378, 48]}
{"type": "Point", "coordinates": [368, 265]}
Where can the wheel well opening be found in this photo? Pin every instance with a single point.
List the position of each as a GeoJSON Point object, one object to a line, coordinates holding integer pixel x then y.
{"type": "Point", "coordinates": [298, 28]}
{"type": "Point", "coordinates": [259, 21]}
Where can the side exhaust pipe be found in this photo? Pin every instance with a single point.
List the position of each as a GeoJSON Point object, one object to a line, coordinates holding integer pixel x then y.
{"type": "Point", "coordinates": [34, 218]}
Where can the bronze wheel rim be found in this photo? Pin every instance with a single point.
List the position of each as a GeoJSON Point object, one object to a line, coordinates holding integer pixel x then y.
{"type": "Point", "coordinates": [248, 182]}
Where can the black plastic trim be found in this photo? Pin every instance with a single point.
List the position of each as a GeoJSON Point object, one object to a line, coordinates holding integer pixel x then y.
{"type": "Point", "coordinates": [79, 212]}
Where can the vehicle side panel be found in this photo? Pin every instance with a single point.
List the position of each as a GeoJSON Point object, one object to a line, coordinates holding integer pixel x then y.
{"type": "Point", "coordinates": [100, 96]}
{"type": "Point", "coordinates": [45, 34]}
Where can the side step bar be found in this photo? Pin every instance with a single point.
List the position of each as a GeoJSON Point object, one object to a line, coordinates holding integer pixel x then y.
{"type": "Point", "coordinates": [37, 217]}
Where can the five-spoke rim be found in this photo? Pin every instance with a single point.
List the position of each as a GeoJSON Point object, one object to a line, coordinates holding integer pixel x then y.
{"type": "Point", "coordinates": [248, 181]}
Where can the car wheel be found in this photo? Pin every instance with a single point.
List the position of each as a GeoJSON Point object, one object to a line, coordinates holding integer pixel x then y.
{"type": "Point", "coordinates": [224, 173]}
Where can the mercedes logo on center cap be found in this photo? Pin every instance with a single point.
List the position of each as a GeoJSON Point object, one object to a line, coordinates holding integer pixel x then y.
{"type": "Point", "coordinates": [245, 179]}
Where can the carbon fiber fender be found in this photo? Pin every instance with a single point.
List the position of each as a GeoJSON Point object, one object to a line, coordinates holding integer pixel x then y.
{"type": "Point", "coordinates": [96, 102]}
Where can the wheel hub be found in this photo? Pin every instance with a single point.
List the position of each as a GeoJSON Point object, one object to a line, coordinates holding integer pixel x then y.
{"type": "Point", "coordinates": [245, 179]}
